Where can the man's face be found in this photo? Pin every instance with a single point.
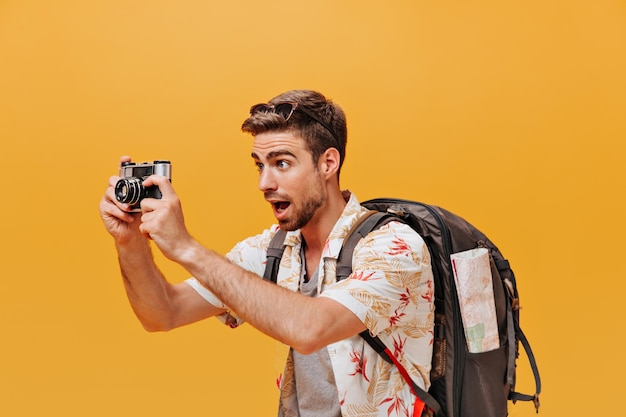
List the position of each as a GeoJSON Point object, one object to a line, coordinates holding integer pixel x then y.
{"type": "Point", "coordinates": [288, 178]}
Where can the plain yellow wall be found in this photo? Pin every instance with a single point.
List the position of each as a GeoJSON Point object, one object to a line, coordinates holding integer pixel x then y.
{"type": "Point", "coordinates": [510, 113]}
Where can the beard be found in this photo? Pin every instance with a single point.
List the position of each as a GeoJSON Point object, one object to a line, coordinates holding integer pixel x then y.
{"type": "Point", "coordinates": [304, 212]}
{"type": "Point", "coordinates": [302, 215]}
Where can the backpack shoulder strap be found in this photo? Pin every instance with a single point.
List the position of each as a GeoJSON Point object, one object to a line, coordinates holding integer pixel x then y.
{"type": "Point", "coordinates": [370, 221]}
{"type": "Point", "coordinates": [275, 252]}
{"type": "Point", "coordinates": [386, 354]}
{"type": "Point", "coordinates": [366, 223]}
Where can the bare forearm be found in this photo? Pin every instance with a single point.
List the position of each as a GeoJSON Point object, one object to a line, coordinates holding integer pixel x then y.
{"type": "Point", "coordinates": [158, 304]}
{"type": "Point", "coordinates": [299, 321]}
{"type": "Point", "coordinates": [145, 285]}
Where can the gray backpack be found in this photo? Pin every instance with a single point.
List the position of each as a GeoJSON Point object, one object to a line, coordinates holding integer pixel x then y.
{"type": "Point", "coordinates": [463, 384]}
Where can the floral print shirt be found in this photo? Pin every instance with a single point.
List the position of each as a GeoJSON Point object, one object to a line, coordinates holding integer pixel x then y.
{"type": "Point", "coordinates": [390, 290]}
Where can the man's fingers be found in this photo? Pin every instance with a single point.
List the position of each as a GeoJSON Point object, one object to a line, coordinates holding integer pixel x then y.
{"type": "Point", "coordinates": [110, 208]}
{"type": "Point", "coordinates": [113, 181]}
{"type": "Point", "coordinates": [125, 158]}
{"type": "Point", "coordinates": [167, 191]}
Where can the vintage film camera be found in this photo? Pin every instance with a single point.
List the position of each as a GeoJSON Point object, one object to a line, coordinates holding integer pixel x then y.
{"type": "Point", "coordinates": [129, 188]}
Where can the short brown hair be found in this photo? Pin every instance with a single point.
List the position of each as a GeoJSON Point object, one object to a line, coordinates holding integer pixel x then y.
{"type": "Point", "coordinates": [317, 137]}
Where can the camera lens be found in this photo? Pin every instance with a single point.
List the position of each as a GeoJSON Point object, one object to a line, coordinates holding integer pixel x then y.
{"type": "Point", "coordinates": [129, 190]}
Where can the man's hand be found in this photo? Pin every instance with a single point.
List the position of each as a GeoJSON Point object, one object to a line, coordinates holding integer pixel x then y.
{"type": "Point", "coordinates": [162, 220]}
{"type": "Point", "coordinates": [121, 224]}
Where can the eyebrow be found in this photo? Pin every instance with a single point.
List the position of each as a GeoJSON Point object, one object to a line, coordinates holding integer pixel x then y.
{"type": "Point", "coordinates": [274, 154]}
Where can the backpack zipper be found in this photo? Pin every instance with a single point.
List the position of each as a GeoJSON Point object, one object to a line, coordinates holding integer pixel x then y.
{"type": "Point", "coordinates": [459, 348]}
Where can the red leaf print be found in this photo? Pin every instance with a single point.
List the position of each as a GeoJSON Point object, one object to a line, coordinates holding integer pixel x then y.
{"type": "Point", "coordinates": [395, 319]}
{"type": "Point", "coordinates": [405, 298]}
{"type": "Point", "coordinates": [397, 406]}
{"type": "Point", "coordinates": [360, 364]}
{"type": "Point", "coordinates": [398, 347]}
{"type": "Point", "coordinates": [428, 295]}
{"type": "Point", "coordinates": [400, 247]}
{"type": "Point", "coordinates": [362, 275]}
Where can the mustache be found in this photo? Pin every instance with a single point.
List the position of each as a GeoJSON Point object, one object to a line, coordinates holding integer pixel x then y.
{"type": "Point", "coordinates": [272, 195]}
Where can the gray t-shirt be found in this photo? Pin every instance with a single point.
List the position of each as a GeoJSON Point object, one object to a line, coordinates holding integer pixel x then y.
{"type": "Point", "coordinates": [316, 390]}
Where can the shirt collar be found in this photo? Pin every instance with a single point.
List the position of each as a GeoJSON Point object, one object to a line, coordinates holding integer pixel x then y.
{"type": "Point", "coordinates": [351, 212]}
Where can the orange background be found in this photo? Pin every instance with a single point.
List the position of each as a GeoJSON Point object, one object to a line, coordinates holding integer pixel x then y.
{"type": "Point", "coordinates": [510, 113]}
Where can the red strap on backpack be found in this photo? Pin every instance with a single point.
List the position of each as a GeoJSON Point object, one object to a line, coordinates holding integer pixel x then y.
{"type": "Point", "coordinates": [418, 409]}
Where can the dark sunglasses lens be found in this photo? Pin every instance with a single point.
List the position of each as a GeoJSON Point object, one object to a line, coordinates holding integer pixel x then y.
{"type": "Point", "coordinates": [284, 109]}
{"type": "Point", "coordinates": [260, 108]}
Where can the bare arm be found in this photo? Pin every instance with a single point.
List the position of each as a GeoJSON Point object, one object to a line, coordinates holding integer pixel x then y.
{"type": "Point", "coordinates": [307, 324]}
{"type": "Point", "coordinates": [158, 304]}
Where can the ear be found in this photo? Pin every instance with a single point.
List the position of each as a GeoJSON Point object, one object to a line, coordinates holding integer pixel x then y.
{"type": "Point", "coordinates": [328, 163]}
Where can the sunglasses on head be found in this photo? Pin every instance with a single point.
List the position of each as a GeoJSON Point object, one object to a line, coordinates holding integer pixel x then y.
{"type": "Point", "coordinates": [286, 109]}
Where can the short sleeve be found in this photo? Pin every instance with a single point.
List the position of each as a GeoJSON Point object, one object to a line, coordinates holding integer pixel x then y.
{"type": "Point", "coordinates": [391, 286]}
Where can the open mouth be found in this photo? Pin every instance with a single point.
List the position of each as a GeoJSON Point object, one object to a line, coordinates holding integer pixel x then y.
{"type": "Point", "coordinates": [281, 206]}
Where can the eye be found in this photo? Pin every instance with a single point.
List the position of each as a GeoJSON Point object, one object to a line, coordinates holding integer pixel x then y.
{"type": "Point", "coordinates": [282, 164]}
{"type": "Point", "coordinates": [259, 166]}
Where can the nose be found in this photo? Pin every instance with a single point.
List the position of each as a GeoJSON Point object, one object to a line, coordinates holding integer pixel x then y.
{"type": "Point", "coordinates": [267, 181]}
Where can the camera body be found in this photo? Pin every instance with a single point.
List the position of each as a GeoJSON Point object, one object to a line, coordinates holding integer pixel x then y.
{"type": "Point", "coordinates": [130, 189]}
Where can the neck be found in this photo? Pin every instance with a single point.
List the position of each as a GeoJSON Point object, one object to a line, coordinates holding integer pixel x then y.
{"type": "Point", "coordinates": [317, 230]}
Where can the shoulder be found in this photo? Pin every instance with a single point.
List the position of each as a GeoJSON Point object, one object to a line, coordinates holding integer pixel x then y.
{"type": "Point", "coordinates": [391, 232]}
{"type": "Point", "coordinates": [394, 243]}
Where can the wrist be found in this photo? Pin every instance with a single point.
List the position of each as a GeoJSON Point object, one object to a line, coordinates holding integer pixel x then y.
{"type": "Point", "coordinates": [137, 243]}
{"type": "Point", "coordinates": [189, 253]}
{"type": "Point", "coordinates": [201, 263]}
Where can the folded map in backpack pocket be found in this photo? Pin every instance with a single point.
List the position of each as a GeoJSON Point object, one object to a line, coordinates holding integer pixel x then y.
{"type": "Point", "coordinates": [474, 285]}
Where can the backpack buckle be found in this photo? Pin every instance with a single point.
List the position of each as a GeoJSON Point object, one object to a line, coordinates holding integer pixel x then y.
{"type": "Point", "coordinates": [511, 293]}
